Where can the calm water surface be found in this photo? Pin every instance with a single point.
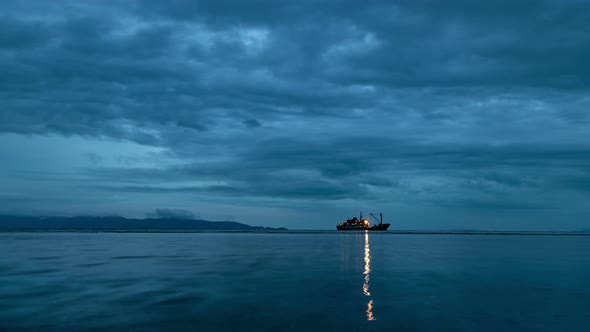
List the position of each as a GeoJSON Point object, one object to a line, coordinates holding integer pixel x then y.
{"type": "Point", "coordinates": [293, 282]}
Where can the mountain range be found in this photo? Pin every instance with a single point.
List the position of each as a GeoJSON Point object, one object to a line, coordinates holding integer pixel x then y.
{"type": "Point", "coordinates": [122, 224]}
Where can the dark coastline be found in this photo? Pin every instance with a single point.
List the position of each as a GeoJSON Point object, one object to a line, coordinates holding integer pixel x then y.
{"type": "Point", "coordinates": [121, 224]}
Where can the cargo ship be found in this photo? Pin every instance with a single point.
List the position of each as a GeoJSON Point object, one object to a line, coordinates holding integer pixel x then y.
{"type": "Point", "coordinates": [361, 224]}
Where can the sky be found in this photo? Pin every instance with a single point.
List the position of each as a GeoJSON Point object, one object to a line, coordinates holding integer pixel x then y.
{"type": "Point", "coordinates": [442, 115]}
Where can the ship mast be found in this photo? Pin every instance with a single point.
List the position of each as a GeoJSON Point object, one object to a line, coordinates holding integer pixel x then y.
{"type": "Point", "coordinates": [380, 215]}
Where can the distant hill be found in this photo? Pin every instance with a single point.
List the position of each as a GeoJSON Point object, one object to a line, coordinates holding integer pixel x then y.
{"type": "Point", "coordinates": [122, 224]}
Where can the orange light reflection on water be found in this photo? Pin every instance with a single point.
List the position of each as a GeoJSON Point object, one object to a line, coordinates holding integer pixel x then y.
{"type": "Point", "coordinates": [367, 277]}
{"type": "Point", "coordinates": [370, 311]}
{"type": "Point", "coordinates": [367, 265]}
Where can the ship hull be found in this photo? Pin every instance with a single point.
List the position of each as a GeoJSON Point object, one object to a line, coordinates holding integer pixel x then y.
{"type": "Point", "coordinates": [380, 227]}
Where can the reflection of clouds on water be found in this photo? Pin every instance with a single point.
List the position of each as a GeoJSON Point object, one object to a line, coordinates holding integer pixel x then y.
{"type": "Point", "coordinates": [367, 277]}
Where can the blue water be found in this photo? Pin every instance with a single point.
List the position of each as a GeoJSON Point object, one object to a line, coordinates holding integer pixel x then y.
{"type": "Point", "coordinates": [293, 282]}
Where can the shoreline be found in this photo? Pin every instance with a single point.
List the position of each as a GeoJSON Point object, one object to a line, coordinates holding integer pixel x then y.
{"type": "Point", "coordinates": [147, 231]}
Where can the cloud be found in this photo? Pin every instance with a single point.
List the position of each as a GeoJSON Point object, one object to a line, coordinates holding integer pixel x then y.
{"type": "Point", "coordinates": [448, 104]}
{"type": "Point", "coordinates": [252, 123]}
{"type": "Point", "coordinates": [172, 214]}
{"type": "Point", "coordinates": [507, 176]}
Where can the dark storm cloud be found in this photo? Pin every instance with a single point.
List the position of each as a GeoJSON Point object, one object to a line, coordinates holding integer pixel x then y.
{"type": "Point", "coordinates": [389, 45]}
{"type": "Point", "coordinates": [252, 123]}
{"type": "Point", "coordinates": [417, 43]}
{"type": "Point", "coordinates": [361, 168]}
{"type": "Point", "coordinates": [454, 103]}
{"type": "Point", "coordinates": [18, 35]}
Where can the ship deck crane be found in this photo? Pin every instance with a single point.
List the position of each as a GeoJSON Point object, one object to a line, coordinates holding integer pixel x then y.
{"type": "Point", "coordinates": [380, 221]}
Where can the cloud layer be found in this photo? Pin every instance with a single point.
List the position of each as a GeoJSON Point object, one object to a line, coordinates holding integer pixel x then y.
{"type": "Point", "coordinates": [469, 111]}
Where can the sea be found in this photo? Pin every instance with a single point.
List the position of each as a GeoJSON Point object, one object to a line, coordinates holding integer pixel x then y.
{"type": "Point", "coordinates": [301, 281]}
